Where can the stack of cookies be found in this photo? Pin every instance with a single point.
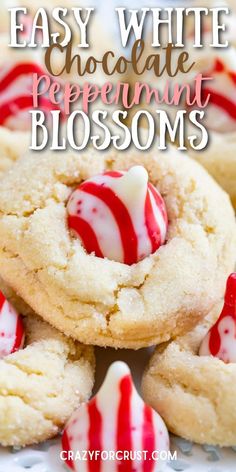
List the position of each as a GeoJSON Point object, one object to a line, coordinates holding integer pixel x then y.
{"type": "Point", "coordinates": [121, 249]}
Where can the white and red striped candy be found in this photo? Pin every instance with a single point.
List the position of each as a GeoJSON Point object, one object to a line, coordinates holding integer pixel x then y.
{"type": "Point", "coordinates": [16, 94]}
{"type": "Point", "coordinates": [220, 341]}
{"type": "Point", "coordinates": [11, 328]}
{"type": "Point", "coordinates": [116, 419]}
{"type": "Point", "coordinates": [119, 215]}
{"type": "Point", "coordinates": [221, 110]}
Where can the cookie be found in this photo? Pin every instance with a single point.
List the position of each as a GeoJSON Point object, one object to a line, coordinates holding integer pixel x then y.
{"type": "Point", "coordinates": [220, 120]}
{"type": "Point", "coordinates": [97, 300]}
{"type": "Point", "coordinates": [194, 394]}
{"type": "Point", "coordinates": [12, 145]}
{"type": "Point", "coordinates": [220, 114]}
{"type": "Point", "coordinates": [42, 384]}
{"type": "Point", "coordinates": [219, 160]}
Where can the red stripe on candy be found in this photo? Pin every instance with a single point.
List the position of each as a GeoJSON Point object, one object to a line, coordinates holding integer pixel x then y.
{"type": "Point", "coordinates": [214, 340]}
{"type": "Point", "coordinates": [19, 334]}
{"type": "Point", "coordinates": [86, 233]}
{"type": "Point", "coordinates": [124, 426]}
{"type": "Point", "coordinates": [17, 71]}
{"type": "Point", "coordinates": [2, 300]}
{"type": "Point", "coordinates": [222, 102]}
{"type": "Point", "coordinates": [228, 310]}
{"type": "Point", "coordinates": [233, 77]}
{"type": "Point", "coordinates": [151, 224]}
{"type": "Point", "coordinates": [121, 215]}
{"type": "Point", "coordinates": [113, 173]}
{"type": "Point", "coordinates": [94, 435]}
{"type": "Point", "coordinates": [148, 438]}
{"type": "Point", "coordinates": [159, 202]}
{"type": "Point", "coordinates": [219, 66]}
{"type": "Point", "coordinates": [66, 447]}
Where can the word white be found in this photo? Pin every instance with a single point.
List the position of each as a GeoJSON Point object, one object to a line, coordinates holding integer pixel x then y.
{"type": "Point", "coordinates": [85, 455]}
{"type": "Point", "coordinates": [173, 21]}
{"type": "Point", "coordinates": [80, 126]}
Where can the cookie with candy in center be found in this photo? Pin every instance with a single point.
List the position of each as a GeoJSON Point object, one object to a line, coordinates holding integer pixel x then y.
{"type": "Point", "coordinates": [116, 249]}
{"type": "Point", "coordinates": [191, 380]}
{"type": "Point", "coordinates": [220, 117]}
{"type": "Point", "coordinates": [17, 67]}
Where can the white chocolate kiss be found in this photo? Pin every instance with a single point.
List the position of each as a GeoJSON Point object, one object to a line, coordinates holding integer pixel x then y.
{"type": "Point", "coordinates": [227, 332]}
{"type": "Point", "coordinates": [131, 189]}
{"type": "Point", "coordinates": [108, 402]}
{"type": "Point", "coordinates": [8, 329]}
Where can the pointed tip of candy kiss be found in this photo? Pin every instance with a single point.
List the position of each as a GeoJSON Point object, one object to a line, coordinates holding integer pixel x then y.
{"type": "Point", "coordinates": [134, 180]}
{"type": "Point", "coordinates": [115, 373]}
{"type": "Point", "coordinates": [230, 294]}
{"type": "Point", "coordinates": [118, 369]}
{"type": "Point", "coordinates": [139, 173]}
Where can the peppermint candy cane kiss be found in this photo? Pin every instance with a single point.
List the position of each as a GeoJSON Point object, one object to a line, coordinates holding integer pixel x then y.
{"type": "Point", "coordinates": [11, 328]}
{"type": "Point", "coordinates": [16, 84]}
{"type": "Point", "coordinates": [16, 76]}
{"type": "Point", "coordinates": [119, 215]}
{"type": "Point", "coordinates": [116, 419]}
{"type": "Point", "coordinates": [221, 339]}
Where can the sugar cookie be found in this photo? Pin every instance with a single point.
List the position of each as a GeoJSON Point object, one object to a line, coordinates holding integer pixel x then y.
{"type": "Point", "coordinates": [194, 394]}
{"type": "Point", "coordinates": [97, 300]}
{"type": "Point", "coordinates": [41, 384]}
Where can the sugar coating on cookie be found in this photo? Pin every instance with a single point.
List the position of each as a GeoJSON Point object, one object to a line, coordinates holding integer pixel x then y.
{"type": "Point", "coordinates": [98, 300]}
{"type": "Point", "coordinates": [13, 144]}
{"type": "Point", "coordinates": [118, 420]}
{"type": "Point", "coordinates": [119, 215]}
{"type": "Point", "coordinates": [220, 341]}
{"type": "Point", "coordinates": [42, 384]}
{"type": "Point", "coordinates": [195, 395]}
{"type": "Point", "coordinates": [12, 332]}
